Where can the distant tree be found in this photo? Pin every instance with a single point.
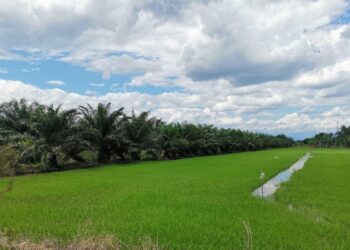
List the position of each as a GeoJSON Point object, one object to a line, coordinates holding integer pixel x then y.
{"type": "Point", "coordinates": [343, 136]}
{"type": "Point", "coordinates": [37, 131]}
{"type": "Point", "coordinates": [52, 127]}
{"type": "Point", "coordinates": [100, 127]}
{"type": "Point", "coordinates": [339, 139]}
{"type": "Point", "coordinates": [16, 120]}
{"type": "Point", "coordinates": [142, 135]}
{"type": "Point", "coordinates": [52, 136]}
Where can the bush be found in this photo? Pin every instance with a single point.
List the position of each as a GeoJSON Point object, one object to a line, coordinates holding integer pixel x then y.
{"type": "Point", "coordinates": [8, 158]}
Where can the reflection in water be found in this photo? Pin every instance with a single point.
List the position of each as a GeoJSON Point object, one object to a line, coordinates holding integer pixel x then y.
{"type": "Point", "coordinates": [268, 188]}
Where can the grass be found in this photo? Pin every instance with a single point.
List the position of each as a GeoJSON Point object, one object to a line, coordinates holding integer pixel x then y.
{"type": "Point", "coordinates": [321, 192]}
{"type": "Point", "coordinates": [197, 203]}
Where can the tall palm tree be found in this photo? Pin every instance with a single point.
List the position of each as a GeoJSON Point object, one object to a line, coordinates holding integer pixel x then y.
{"type": "Point", "coordinates": [49, 135]}
{"type": "Point", "coordinates": [174, 143]}
{"type": "Point", "coordinates": [15, 120]}
{"type": "Point", "coordinates": [36, 131]}
{"type": "Point", "coordinates": [100, 127]}
{"type": "Point", "coordinates": [52, 128]}
{"type": "Point", "coordinates": [343, 136]}
{"type": "Point", "coordinates": [142, 134]}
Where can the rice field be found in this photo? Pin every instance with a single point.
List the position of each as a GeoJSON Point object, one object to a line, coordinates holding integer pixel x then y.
{"type": "Point", "coordinates": [196, 203]}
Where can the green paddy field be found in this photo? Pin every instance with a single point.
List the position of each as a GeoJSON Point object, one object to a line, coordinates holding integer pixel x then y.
{"type": "Point", "coordinates": [196, 203]}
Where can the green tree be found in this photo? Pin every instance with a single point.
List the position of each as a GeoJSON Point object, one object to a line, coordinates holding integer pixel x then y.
{"type": "Point", "coordinates": [101, 127]}
{"type": "Point", "coordinates": [142, 135]}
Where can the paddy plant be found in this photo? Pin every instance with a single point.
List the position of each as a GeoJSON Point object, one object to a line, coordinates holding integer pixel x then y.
{"type": "Point", "coordinates": [196, 203]}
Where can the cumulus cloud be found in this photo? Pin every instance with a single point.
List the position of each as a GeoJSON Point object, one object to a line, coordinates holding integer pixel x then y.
{"type": "Point", "coordinates": [203, 40]}
{"type": "Point", "coordinates": [56, 83]}
{"type": "Point", "coordinates": [324, 77]}
{"type": "Point", "coordinates": [284, 61]}
{"type": "Point", "coordinates": [253, 42]}
{"type": "Point", "coordinates": [177, 107]}
{"type": "Point", "coordinates": [90, 92]}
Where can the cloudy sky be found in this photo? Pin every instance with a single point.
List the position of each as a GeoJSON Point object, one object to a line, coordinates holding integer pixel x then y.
{"type": "Point", "coordinates": [263, 65]}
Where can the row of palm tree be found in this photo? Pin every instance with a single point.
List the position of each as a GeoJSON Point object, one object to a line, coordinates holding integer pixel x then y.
{"type": "Point", "coordinates": [339, 139]}
{"type": "Point", "coordinates": [48, 137]}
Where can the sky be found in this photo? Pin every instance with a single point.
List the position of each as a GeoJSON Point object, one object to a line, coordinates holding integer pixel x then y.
{"type": "Point", "coordinates": [271, 66]}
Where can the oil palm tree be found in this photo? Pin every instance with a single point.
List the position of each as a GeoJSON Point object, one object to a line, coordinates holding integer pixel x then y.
{"type": "Point", "coordinates": [15, 120]}
{"type": "Point", "coordinates": [52, 129]}
{"type": "Point", "coordinates": [101, 127]}
{"type": "Point", "coordinates": [36, 131]}
{"type": "Point", "coordinates": [142, 134]}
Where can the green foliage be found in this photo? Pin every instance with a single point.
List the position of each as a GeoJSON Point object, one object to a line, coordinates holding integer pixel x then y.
{"type": "Point", "coordinates": [320, 192]}
{"type": "Point", "coordinates": [142, 135]}
{"type": "Point", "coordinates": [52, 137]}
{"type": "Point", "coordinates": [99, 128]}
{"type": "Point", "coordinates": [7, 158]}
{"type": "Point", "coordinates": [193, 203]}
{"type": "Point", "coordinates": [326, 140]}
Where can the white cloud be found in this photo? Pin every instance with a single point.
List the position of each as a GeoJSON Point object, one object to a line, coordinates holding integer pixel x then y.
{"type": "Point", "coordinates": [3, 70]}
{"type": "Point", "coordinates": [97, 84]}
{"type": "Point", "coordinates": [30, 70]}
{"type": "Point", "coordinates": [284, 61]}
{"type": "Point", "coordinates": [90, 93]}
{"type": "Point", "coordinates": [202, 39]}
{"type": "Point", "coordinates": [173, 107]}
{"type": "Point", "coordinates": [56, 83]}
{"type": "Point", "coordinates": [169, 106]}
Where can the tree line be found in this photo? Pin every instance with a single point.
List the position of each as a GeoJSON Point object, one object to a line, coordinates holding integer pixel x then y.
{"type": "Point", "coordinates": [36, 137]}
{"type": "Point", "coordinates": [341, 138]}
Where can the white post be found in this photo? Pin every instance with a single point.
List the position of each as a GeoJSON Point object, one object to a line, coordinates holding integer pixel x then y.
{"type": "Point", "coordinates": [262, 176]}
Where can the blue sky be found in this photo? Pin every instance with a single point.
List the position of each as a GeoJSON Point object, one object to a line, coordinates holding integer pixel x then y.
{"type": "Point", "coordinates": [344, 18]}
{"type": "Point", "coordinates": [285, 71]}
{"type": "Point", "coordinates": [75, 78]}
